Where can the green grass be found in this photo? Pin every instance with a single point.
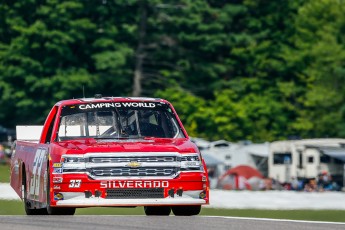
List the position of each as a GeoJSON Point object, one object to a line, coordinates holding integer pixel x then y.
{"type": "Point", "coordinates": [16, 208]}
{"type": "Point", "coordinates": [11, 207]}
{"type": "Point", "coordinates": [4, 173]}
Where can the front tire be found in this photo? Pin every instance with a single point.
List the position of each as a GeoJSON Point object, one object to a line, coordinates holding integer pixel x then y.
{"type": "Point", "coordinates": [157, 210]}
{"type": "Point", "coordinates": [190, 210]}
{"type": "Point", "coordinates": [60, 211]}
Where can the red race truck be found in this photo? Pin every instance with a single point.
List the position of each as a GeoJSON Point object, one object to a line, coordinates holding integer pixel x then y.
{"type": "Point", "coordinates": [109, 152]}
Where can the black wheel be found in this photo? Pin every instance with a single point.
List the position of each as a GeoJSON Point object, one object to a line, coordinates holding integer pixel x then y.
{"type": "Point", "coordinates": [53, 210]}
{"type": "Point", "coordinates": [190, 210]}
{"type": "Point", "coordinates": [60, 211]}
{"type": "Point", "coordinates": [157, 210]}
{"type": "Point", "coordinates": [27, 204]}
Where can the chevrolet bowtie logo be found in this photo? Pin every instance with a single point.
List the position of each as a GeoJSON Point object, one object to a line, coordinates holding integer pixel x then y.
{"type": "Point", "coordinates": [134, 164]}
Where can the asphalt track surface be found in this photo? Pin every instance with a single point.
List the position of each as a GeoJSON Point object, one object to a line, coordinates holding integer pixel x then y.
{"type": "Point", "coordinates": [159, 223]}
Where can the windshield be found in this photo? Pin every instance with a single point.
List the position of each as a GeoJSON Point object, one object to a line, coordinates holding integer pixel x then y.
{"type": "Point", "coordinates": [114, 120]}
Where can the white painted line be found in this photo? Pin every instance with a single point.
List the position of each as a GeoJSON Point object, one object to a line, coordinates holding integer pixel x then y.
{"type": "Point", "coordinates": [276, 220]}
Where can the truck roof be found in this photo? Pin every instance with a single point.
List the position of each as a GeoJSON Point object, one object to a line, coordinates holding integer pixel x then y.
{"type": "Point", "coordinates": [100, 99]}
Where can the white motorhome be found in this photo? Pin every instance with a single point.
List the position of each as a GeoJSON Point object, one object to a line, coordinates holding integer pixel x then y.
{"type": "Point", "coordinates": [243, 153]}
{"type": "Point", "coordinates": [306, 159]}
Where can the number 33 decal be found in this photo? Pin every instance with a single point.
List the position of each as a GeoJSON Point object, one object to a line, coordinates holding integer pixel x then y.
{"type": "Point", "coordinates": [74, 183]}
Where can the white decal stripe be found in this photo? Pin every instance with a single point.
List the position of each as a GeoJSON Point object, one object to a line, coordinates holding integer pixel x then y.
{"type": "Point", "coordinates": [38, 173]}
{"type": "Point", "coordinates": [35, 181]}
{"type": "Point", "coordinates": [33, 176]}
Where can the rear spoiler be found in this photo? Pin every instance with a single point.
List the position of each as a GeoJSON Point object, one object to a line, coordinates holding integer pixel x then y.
{"type": "Point", "coordinates": [30, 133]}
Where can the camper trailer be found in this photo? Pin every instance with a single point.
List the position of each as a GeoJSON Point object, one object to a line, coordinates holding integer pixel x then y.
{"type": "Point", "coordinates": [305, 159]}
{"type": "Point", "coordinates": [242, 153]}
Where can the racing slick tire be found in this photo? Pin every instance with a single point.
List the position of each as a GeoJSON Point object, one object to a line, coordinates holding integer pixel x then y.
{"type": "Point", "coordinates": [190, 210]}
{"type": "Point", "coordinates": [52, 210]}
{"type": "Point", "coordinates": [27, 204]}
{"type": "Point", "coordinates": [157, 210]}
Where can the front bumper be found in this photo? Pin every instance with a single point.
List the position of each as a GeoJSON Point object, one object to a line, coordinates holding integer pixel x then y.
{"type": "Point", "coordinates": [72, 199]}
{"type": "Point", "coordinates": [187, 189]}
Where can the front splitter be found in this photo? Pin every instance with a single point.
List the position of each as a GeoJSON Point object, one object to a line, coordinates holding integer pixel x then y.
{"type": "Point", "coordinates": [100, 202]}
{"type": "Point", "coordinates": [79, 200]}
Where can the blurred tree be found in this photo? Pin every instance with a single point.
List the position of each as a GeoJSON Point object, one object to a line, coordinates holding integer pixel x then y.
{"type": "Point", "coordinates": [51, 50]}
{"type": "Point", "coordinates": [318, 58]}
{"type": "Point", "coordinates": [188, 107]}
{"type": "Point", "coordinates": [236, 69]}
{"type": "Point", "coordinates": [237, 47]}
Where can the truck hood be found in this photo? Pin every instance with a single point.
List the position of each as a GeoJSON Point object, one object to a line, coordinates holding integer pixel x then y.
{"type": "Point", "coordinates": [181, 145]}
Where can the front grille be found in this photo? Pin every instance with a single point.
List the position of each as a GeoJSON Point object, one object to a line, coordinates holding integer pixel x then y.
{"type": "Point", "coordinates": [130, 159]}
{"type": "Point", "coordinates": [144, 193]}
{"type": "Point", "coordinates": [133, 165]}
{"type": "Point", "coordinates": [120, 172]}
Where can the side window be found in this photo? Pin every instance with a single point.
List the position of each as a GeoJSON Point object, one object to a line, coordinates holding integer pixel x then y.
{"type": "Point", "coordinates": [325, 158]}
{"type": "Point", "coordinates": [310, 159]}
{"type": "Point", "coordinates": [282, 158]}
{"type": "Point", "coordinates": [50, 128]}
